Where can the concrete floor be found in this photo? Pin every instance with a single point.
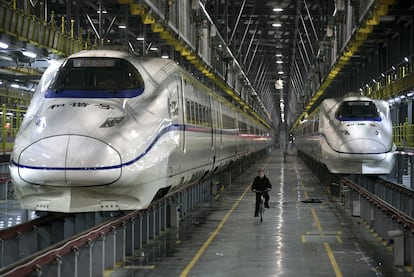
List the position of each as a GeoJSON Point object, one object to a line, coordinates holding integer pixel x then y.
{"type": "Point", "coordinates": [222, 238]}
{"type": "Point", "coordinates": [295, 239]}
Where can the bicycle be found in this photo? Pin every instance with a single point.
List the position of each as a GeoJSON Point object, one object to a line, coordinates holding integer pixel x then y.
{"type": "Point", "coordinates": [261, 204]}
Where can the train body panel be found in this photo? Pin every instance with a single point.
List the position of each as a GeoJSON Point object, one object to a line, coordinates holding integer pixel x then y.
{"type": "Point", "coordinates": [109, 131]}
{"type": "Point", "coordinates": [351, 135]}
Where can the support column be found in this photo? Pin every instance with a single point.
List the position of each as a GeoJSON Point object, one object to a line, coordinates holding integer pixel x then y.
{"type": "Point", "coordinates": [175, 215]}
{"type": "Point", "coordinates": [412, 172]}
{"type": "Point", "coordinates": [227, 178]}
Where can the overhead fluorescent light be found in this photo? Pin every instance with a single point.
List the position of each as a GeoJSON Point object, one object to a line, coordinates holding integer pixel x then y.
{"type": "Point", "coordinates": [104, 11]}
{"type": "Point", "coordinates": [277, 25]}
{"type": "Point", "coordinates": [279, 55]}
{"type": "Point", "coordinates": [279, 62]}
{"type": "Point", "coordinates": [278, 10]}
{"type": "Point", "coordinates": [280, 72]}
{"type": "Point", "coordinates": [165, 56]}
{"type": "Point", "coordinates": [122, 26]}
{"type": "Point", "coordinates": [4, 45]}
{"type": "Point", "coordinates": [140, 38]}
{"type": "Point", "coordinates": [154, 48]}
{"type": "Point", "coordinates": [29, 54]}
{"type": "Point", "coordinates": [15, 86]}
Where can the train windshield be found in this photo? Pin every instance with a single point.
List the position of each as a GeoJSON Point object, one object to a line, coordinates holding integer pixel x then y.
{"type": "Point", "coordinates": [357, 111]}
{"type": "Point", "coordinates": [96, 78]}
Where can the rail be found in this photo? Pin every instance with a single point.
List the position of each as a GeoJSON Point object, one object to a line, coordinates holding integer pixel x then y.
{"type": "Point", "coordinates": [41, 258]}
{"type": "Point", "coordinates": [391, 210]}
{"type": "Point", "coordinates": [96, 248]}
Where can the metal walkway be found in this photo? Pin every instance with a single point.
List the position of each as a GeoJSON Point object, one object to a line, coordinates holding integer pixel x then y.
{"type": "Point", "coordinates": [295, 239]}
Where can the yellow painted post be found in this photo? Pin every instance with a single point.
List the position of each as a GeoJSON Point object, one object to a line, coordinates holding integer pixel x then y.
{"type": "Point", "coordinates": [398, 135]}
{"type": "Point", "coordinates": [18, 123]}
{"type": "Point", "coordinates": [405, 133]}
{"type": "Point", "coordinates": [63, 25]}
{"type": "Point", "coordinates": [410, 140]}
{"type": "Point", "coordinates": [72, 27]}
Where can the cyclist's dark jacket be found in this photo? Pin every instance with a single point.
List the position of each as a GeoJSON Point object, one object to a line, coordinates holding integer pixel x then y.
{"type": "Point", "coordinates": [261, 183]}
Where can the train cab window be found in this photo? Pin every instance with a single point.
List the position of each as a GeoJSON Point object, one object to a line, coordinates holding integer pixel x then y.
{"type": "Point", "coordinates": [357, 110]}
{"type": "Point", "coordinates": [96, 77]}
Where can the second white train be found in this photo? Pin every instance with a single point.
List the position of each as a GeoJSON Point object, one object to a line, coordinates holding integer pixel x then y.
{"type": "Point", "coordinates": [350, 135]}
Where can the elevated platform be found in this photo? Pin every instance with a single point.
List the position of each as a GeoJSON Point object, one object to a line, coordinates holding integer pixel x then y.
{"type": "Point", "coordinates": [295, 239]}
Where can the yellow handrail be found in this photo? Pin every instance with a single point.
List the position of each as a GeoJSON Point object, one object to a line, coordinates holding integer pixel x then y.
{"type": "Point", "coordinates": [11, 120]}
{"type": "Point", "coordinates": [403, 134]}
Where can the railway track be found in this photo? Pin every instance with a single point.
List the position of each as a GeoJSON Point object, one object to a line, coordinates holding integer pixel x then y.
{"type": "Point", "coordinates": [387, 208]}
{"type": "Point", "coordinates": [26, 239]}
{"type": "Point", "coordinates": [87, 244]}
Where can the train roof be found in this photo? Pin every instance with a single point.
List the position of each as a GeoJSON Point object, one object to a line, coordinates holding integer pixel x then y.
{"type": "Point", "coordinates": [101, 53]}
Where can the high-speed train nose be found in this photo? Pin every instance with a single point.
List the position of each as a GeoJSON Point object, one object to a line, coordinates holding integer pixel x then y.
{"type": "Point", "coordinates": [83, 160]}
{"type": "Point", "coordinates": [362, 146]}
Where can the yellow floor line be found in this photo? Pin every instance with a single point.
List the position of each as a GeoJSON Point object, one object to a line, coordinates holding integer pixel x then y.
{"type": "Point", "coordinates": [203, 248]}
{"type": "Point", "coordinates": [328, 249]}
{"type": "Point", "coordinates": [200, 252]}
{"type": "Point", "coordinates": [332, 259]}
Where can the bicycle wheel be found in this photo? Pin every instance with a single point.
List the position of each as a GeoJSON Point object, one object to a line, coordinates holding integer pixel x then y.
{"type": "Point", "coordinates": [261, 210]}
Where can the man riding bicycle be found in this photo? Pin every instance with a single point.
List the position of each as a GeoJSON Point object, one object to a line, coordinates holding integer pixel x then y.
{"type": "Point", "coordinates": [261, 185]}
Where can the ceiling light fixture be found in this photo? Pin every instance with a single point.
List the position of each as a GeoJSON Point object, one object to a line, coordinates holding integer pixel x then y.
{"type": "Point", "coordinates": [279, 62]}
{"type": "Point", "coordinates": [277, 25]}
{"type": "Point", "coordinates": [278, 10]}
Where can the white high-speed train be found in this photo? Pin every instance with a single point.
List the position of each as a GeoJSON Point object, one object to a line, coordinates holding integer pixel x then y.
{"type": "Point", "coordinates": [106, 130]}
{"type": "Point", "coordinates": [350, 135]}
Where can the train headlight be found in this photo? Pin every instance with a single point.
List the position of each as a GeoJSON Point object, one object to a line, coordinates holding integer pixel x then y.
{"type": "Point", "coordinates": [111, 121]}
{"type": "Point", "coordinates": [345, 132]}
{"type": "Point", "coordinates": [40, 122]}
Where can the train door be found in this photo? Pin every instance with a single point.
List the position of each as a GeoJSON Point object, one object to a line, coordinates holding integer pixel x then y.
{"type": "Point", "coordinates": [181, 100]}
{"type": "Point", "coordinates": [213, 124]}
{"type": "Point", "coordinates": [220, 121]}
{"type": "Point", "coordinates": [237, 138]}
{"type": "Point", "coordinates": [176, 108]}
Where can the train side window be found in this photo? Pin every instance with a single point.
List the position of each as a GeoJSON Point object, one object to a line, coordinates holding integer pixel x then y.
{"type": "Point", "coordinates": [316, 126]}
{"type": "Point", "coordinates": [203, 115]}
{"type": "Point", "coordinates": [194, 110]}
{"type": "Point", "coordinates": [188, 111]}
{"type": "Point", "coordinates": [197, 113]}
{"type": "Point", "coordinates": [208, 116]}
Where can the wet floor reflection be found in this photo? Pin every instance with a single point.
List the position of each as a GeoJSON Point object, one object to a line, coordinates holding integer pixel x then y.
{"type": "Point", "coordinates": [11, 214]}
{"type": "Point", "coordinates": [167, 243]}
